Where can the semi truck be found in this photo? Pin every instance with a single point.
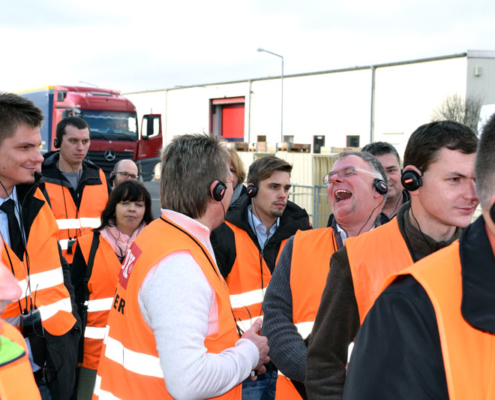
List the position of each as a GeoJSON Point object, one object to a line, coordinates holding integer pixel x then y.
{"type": "Point", "coordinates": [113, 123]}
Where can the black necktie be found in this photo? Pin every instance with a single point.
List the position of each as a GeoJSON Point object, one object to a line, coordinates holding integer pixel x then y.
{"type": "Point", "coordinates": [16, 243]}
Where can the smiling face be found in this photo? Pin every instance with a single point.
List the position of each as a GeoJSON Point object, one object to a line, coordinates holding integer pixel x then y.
{"type": "Point", "coordinates": [20, 158]}
{"type": "Point", "coordinates": [353, 198]}
{"type": "Point", "coordinates": [129, 215]}
{"type": "Point", "coordinates": [448, 197]}
{"type": "Point", "coordinates": [271, 200]}
{"type": "Point", "coordinates": [392, 168]}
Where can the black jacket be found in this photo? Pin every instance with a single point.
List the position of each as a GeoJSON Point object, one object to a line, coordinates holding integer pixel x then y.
{"type": "Point", "coordinates": [223, 240]}
{"type": "Point", "coordinates": [90, 176]}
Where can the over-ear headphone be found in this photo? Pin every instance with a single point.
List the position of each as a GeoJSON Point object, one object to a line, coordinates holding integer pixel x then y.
{"type": "Point", "coordinates": [57, 143]}
{"type": "Point", "coordinates": [492, 212]}
{"type": "Point", "coordinates": [252, 190]}
{"type": "Point", "coordinates": [411, 180]}
{"type": "Point", "coordinates": [218, 191]}
{"type": "Point", "coordinates": [112, 176]}
{"type": "Point", "coordinates": [381, 186]}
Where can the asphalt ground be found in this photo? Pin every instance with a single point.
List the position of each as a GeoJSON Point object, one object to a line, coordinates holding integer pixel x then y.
{"type": "Point", "coordinates": [154, 189]}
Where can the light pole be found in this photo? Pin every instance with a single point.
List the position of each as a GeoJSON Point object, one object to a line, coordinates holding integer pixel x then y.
{"type": "Point", "coordinates": [282, 98]}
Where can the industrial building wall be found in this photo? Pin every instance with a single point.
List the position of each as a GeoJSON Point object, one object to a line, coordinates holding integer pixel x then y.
{"type": "Point", "coordinates": [333, 105]}
{"type": "Point", "coordinates": [406, 96]}
{"type": "Point", "coordinates": [481, 77]}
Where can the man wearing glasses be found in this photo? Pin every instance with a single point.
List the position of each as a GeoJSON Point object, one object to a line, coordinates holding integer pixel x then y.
{"type": "Point", "coordinates": [439, 176]}
{"type": "Point", "coordinates": [122, 171]}
{"type": "Point", "coordinates": [356, 193]}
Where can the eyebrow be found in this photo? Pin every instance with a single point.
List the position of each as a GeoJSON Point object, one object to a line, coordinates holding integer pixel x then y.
{"type": "Point", "coordinates": [455, 173]}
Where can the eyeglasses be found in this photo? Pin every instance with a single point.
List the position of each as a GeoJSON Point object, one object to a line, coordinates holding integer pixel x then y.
{"type": "Point", "coordinates": [126, 175]}
{"type": "Point", "coordinates": [345, 173]}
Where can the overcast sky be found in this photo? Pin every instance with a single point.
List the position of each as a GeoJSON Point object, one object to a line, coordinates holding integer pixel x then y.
{"type": "Point", "coordinates": [148, 45]}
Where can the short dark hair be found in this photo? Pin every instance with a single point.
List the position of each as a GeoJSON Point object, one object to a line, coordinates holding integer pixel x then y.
{"type": "Point", "coordinates": [76, 122]}
{"type": "Point", "coordinates": [127, 191]}
{"type": "Point", "coordinates": [15, 111]}
{"type": "Point", "coordinates": [381, 149]}
{"type": "Point", "coordinates": [190, 164]}
{"type": "Point", "coordinates": [426, 141]}
{"type": "Point", "coordinates": [484, 166]}
{"type": "Point", "coordinates": [263, 168]}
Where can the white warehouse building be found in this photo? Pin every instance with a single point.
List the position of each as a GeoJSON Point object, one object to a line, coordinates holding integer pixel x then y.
{"type": "Point", "coordinates": [337, 108]}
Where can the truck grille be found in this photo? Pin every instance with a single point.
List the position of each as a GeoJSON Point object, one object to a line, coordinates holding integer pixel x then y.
{"type": "Point", "coordinates": [98, 157]}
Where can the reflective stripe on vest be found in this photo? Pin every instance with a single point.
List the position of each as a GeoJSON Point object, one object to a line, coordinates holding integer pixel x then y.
{"type": "Point", "coordinates": [45, 279]}
{"type": "Point", "coordinates": [101, 285]}
{"type": "Point", "coordinates": [246, 284]}
{"type": "Point", "coordinates": [468, 353]}
{"type": "Point", "coordinates": [314, 249]}
{"type": "Point", "coordinates": [71, 222]}
{"type": "Point", "coordinates": [129, 365]}
{"type": "Point", "coordinates": [373, 256]}
{"type": "Point", "coordinates": [16, 377]}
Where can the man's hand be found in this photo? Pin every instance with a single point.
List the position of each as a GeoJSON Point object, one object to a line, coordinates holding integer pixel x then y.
{"type": "Point", "coordinates": [261, 343]}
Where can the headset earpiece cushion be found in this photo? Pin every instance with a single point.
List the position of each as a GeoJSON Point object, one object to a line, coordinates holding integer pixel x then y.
{"type": "Point", "coordinates": [56, 143]}
{"type": "Point", "coordinates": [252, 190]}
{"type": "Point", "coordinates": [492, 212]}
{"type": "Point", "coordinates": [218, 191]}
{"type": "Point", "coordinates": [411, 180]}
{"type": "Point", "coordinates": [112, 176]}
{"type": "Point", "coordinates": [381, 186]}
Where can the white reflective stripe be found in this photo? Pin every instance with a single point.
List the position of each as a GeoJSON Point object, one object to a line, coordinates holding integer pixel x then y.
{"type": "Point", "coordinates": [90, 222]}
{"type": "Point", "coordinates": [247, 298]}
{"type": "Point", "coordinates": [102, 394]}
{"type": "Point", "coordinates": [138, 363]}
{"type": "Point", "coordinates": [68, 224]}
{"type": "Point", "coordinates": [246, 324]}
{"type": "Point", "coordinates": [42, 280]}
{"type": "Point", "coordinates": [92, 332]}
{"type": "Point", "coordinates": [349, 351]}
{"type": "Point", "coordinates": [99, 305]}
{"type": "Point", "coordinates": [50, 310]}
{"type": "Point", "coordinates": [64, 244]}
{"type": "Point", "coordinates": [305, 328]}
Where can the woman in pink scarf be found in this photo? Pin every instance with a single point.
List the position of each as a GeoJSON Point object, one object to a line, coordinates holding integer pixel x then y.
{"type": "Point", "coordinates": [95, 270]}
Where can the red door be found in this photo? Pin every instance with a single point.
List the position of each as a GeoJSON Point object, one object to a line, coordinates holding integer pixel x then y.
{"type": "Point", "coordinates": [151, 137]}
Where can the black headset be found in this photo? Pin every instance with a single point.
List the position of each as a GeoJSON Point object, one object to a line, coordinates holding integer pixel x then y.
{"type": "Point", "coordinates": [381, 186]}
{"type": "Point", "coordinates": [411, 180]}
{"type": "Point", "coordinates": [57, 143]}
{"type": "Point", "coordinates": [492, 213]}
{"type": "Point", "coordinates": [218, 191]}
{"type": "Point", "coordinates": [252, 190]}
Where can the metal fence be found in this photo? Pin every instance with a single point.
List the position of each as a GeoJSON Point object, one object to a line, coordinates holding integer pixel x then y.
{"type": "Point", "coordinates": [314, 199]}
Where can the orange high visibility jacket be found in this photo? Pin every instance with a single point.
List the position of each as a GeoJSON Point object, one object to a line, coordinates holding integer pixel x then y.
{"type": "Point", "coordinates": [248, 279]}
{"type": "Point", "coordinates": [129, 365]}
{"type": "Point", "coordinates": [373, 256]}
{"type": "Point", "coordinates": [311, 253]}
{"type": "Point", "coordinates": [40, 275]}
{"type": "Point", "coordinates": [101, 287]}
{"type": "Point", "coordinates": [73, 222]}
{"type": "Point", "coordinates": [16, 376]}
{"type": "Point", "coordinates": [468, 353]}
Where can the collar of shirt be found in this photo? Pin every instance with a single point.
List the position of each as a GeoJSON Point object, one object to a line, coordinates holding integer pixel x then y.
{"type": "Point", "coordinates": [260, 229]}
{"type": "Point", "coordinates": [4, 223]}
{"type": "Point", "coordinates": [193, 227]}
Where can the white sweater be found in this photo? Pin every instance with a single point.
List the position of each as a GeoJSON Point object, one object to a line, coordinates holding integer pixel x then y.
{"type": "Point", "coordinates": [179, 305]}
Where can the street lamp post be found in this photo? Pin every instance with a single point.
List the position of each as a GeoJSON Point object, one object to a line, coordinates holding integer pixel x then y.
{"type": "Point", "coordinates": [282, 98]}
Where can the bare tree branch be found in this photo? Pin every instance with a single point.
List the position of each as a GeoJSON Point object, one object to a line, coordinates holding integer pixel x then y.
{"type": "Point", "coordinates": [456, 108]}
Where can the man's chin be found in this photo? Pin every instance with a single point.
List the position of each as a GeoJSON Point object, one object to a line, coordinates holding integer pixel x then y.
{"type": "Point", "coordinates": [277, 213]}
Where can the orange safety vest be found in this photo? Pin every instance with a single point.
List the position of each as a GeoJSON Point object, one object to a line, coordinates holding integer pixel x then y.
{"type": "Point", "coordinates": [373, 256]}
{"type": "Point", "coordinates": [129, 365]}
{"type": "Point", "coordinates": [248, 279]}
{"type": "Point", "coordinates": [311, 253]}
{"type": "Point", "coordinates": [468, 353]}
{"type": "Point", "coordinates": [73, 223]}
{"type": "Point", "coordinates": [16, 376]}
{"type": "Point", "coordinates": [40, 275]}
{"type": "Point", "coordinates": [101, 287]}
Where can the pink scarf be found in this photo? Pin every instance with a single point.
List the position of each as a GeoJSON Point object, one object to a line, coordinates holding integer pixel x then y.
{"type": "Point", "coordinates": [119, 241]}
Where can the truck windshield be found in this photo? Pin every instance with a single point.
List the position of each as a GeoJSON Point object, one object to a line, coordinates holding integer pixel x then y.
{"type": "Point", "coordinates": [111, 125]}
